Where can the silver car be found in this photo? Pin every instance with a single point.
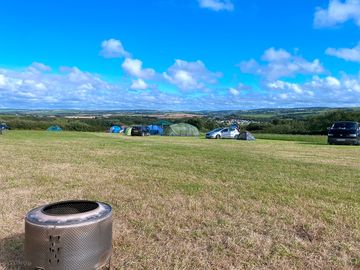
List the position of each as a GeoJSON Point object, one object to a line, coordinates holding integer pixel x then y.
{"type": "Point", "coordinates": [223, 133]}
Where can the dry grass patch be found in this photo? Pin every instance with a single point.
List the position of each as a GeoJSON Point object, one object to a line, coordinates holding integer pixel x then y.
{"type": "Point", "coordinates": [190, 203]}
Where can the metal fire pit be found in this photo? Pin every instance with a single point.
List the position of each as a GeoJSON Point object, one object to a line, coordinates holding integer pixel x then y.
{"type": "Point", "coordinates": [69, 235]}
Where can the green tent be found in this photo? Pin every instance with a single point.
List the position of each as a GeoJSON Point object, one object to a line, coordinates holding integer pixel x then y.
{"type": "Point", "coordinates": [162, 123]}
{"type": "Point", "coordinates": [181, 129]}
{"type": "Point", "coordinates": [128, 131]}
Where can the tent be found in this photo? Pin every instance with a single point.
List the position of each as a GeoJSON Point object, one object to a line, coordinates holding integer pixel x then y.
{"type": "Point", "coordinates": [115, 129]}
{"type": "Point", "coordinates": [127, 131]}
{"type": "Point", "coordinates": [156, 130]}
{"type": "Point", "coordinates": [246, 136]}
{"type": "Point", "coordinates": [3, 126]}
{"type": "Point", "coordinates": [54, 128]}
{"type": "Point", "coordinates": [162, 123]}
{"type": "Point", "coordinates": [181, 129]}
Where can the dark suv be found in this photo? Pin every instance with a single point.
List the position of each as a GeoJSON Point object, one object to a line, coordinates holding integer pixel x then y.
{"type": "Point", "coordinates": [140, 131]}
{"type": "Point", "coordinates": [344, 133]}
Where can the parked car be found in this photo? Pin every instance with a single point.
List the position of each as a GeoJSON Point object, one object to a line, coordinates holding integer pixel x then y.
{"type": "Point", "coordinates": [223, 133]}
{"type": "Point", "coordinates": [345, 132]}
{"type": "Point", "coordinates": [140, 131]}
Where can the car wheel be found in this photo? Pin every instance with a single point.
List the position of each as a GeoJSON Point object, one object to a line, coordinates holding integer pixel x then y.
{"type": "Point", "coordinates": [217, 137]}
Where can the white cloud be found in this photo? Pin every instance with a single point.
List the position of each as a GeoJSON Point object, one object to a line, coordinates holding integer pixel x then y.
{"type": "Point", "coordinates": [338, 12]}
{"type": "Point", "coordinates": [322, 91]}
{"type": "Point", "coordinates": [240, 89]}
{"type": "Point", "coordinates": [273, 55]}
{"type": "Point", "coordinates": [36, 66]}
{"type": "Point", "coordinates": [134, 68]}
{"type": "Point", "coordinates": [234, 92]}
{"type": "Point", "coordinates": [190, 75]}
{"type": "Point", "coordinates": [280, 64]}
{"type": "Point", "coordinates": [113, 48]}
{"type": "Point", "coordinates": [352, 54]}
{"type": "Point", "coordinates": [37, 88]}
{"type": "Point", "coordinates": [74, 88]}
{"type": "Point", "coordinates": [281, 85]}
{"type": "Point", "coordinates": [2, 80]}
{"type": "Point", "coordinates": [139, 84]}
{"type": "Point", "coordinates": [217, 5]}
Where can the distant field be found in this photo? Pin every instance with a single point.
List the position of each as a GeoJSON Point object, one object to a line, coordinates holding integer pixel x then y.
{"type": "Point", "coordinates": [281, 202]}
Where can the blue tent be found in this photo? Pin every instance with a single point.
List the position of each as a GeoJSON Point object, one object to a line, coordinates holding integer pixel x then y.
{"type": "Point", "coordinates": [156, 130]}
{"type": "Point", "coordinates": [3, 126]}
{"type": "Point", "coordinates": [54, 128]}
{"type": "Point", "coordinates": [115, 129]}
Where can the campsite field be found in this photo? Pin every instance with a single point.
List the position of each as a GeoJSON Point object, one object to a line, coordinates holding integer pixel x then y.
{"type": "Point", "coordinates": [190, 203]}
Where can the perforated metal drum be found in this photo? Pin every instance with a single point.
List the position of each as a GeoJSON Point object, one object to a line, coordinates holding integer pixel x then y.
{"type": "Point", "coordinates": [71, 235]}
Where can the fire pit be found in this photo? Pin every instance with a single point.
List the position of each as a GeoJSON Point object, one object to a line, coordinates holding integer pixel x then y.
{"type": "Point", "coordinates": [71, 235]}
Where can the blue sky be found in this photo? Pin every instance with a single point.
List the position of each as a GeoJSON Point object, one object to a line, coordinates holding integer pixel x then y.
{"type": "Point", "coordinates": [179, 54]}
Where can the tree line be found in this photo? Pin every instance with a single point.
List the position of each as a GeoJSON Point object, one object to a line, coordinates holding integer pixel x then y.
{"type": "Point", "coordinates": [315, 125]}
{"type": "Point", "coordinates": [98, 124]}
{"type": "Point", "coordinates": [312, 125]}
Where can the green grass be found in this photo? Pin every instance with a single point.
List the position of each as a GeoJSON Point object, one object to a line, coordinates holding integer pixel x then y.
{"type": "Point", "coordinates": [281, 202]}
{"type": "Point", "coordinates": [295, 138]}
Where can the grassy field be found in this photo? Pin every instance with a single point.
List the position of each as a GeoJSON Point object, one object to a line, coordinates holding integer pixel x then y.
{"type": "Point", "coordinates": [190, 203]}
{"type": "Point", "coordinates": [294, 138]}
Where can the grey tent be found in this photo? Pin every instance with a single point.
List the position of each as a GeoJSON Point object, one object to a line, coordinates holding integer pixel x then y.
{"type": "Point", "coordinates": [246, 136]}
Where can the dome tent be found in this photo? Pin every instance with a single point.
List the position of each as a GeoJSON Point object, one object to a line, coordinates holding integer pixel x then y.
{"type": "Point", "coordinates": [115, 129]}
{"type": "Point", "coordinates": [181, 129]}
{"type": "Point", "coordinates": [3, 128]}
{"type": "Point", "coordinates": [163, 123]}
{"type": "Point", "coordinates": [246, 136]}
{"type": "Point", "coordinates": [54, 128]}
{"type": "Point", "coordinates": [156, 130]}
{"type": "Point", "coordinates": [127, 131]}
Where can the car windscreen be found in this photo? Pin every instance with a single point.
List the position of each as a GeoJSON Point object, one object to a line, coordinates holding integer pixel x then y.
{"type": "Point", "coordinates": [216, 130]}
{"type": "Point", "coordinates": [344, 125]}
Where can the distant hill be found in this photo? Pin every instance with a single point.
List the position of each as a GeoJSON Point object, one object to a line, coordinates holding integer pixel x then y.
{"type": "Point", "coordinates": [270, 114]}
{"type": "Point", "coordinates": [255, 114]}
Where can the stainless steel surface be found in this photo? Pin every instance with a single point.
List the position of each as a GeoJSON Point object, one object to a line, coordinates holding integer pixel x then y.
{"type": "Point", "coordinates": [73, 235]}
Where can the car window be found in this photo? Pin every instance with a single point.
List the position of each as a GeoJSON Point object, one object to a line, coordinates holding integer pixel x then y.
{"type": "Point", "coordinates": [225, 130]}
{"type": "Point", "coordinates": [344, 125]}
{"type": "Point", "coordinates": [232, 129]}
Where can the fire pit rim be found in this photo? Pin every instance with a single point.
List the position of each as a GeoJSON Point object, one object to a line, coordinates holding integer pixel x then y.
{"type": "Point", "coordinates": [39, 217]}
